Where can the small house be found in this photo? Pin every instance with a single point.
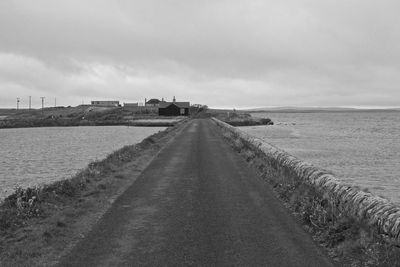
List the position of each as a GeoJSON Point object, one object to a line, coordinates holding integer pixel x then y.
{"type": "Point", "coordinates": [174, 108]}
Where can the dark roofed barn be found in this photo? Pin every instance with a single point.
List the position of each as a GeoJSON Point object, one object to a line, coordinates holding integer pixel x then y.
{"type": "Point", "coordinates": [153, 102]}
{"type": "Point", "coordinates": [174, 109]}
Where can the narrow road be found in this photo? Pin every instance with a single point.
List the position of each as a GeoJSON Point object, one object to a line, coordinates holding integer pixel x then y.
{"type": "Point", "coordinates": [197, 204]}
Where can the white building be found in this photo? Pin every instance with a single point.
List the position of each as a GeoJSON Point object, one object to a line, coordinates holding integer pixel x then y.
{"type": "Point", "coordinates": [107, 103]}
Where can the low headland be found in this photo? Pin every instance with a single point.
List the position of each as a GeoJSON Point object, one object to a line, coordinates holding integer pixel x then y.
{"type": "Point", "coordinates": [237, 117]}
{"type": "Point", "coordinates": [88, 115]}
{"type": "Point", "coordinates": [83, 115]}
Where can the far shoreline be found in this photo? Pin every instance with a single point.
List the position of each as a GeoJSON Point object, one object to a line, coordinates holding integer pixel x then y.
{"type": "Point", "coordinates": [84, 115]}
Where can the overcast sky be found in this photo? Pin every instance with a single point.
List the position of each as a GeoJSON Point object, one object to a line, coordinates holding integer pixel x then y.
{"type": "Point", "coordinates": [221, 53]}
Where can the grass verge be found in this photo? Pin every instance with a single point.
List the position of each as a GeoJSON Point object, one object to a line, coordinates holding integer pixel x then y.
{"type": "Point", "coordinates": [39, 225]}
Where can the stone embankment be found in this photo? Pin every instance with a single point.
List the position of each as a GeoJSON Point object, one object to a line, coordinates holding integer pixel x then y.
{"type": "Point", "coordinates": [337, 199]}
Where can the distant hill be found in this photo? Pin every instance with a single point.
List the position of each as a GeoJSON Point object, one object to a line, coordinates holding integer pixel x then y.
{"type": "Point", "coordinates": [314, 109]}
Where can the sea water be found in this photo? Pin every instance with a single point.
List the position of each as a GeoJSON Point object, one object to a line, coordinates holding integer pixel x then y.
{"type": "Point", "coordinates": [34, 156]}
{"type": "Point", "coordinates": [360, 148]}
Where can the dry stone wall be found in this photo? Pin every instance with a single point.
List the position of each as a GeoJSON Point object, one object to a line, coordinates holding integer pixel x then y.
{"type": "Point", "coordinates": [350, 201]}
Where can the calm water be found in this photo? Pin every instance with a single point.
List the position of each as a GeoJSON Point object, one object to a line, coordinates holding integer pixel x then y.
{"type": "Point", "coordinates": [361, 148]}
{"type": "Point", "coordinates": [32, 156]}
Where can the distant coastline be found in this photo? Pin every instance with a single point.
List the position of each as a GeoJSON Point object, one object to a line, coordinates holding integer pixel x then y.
{"type": "Point", "coordinates": [84, 115]}
{"type": "Point", "coordinates": [318, 110]}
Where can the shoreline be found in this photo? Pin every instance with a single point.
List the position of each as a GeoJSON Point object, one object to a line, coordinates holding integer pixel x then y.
{"type": "Point", "coordinates": [359, 149]}
{"type": "Point", "coordinates": [41, 224]}
{"type": "Point", "coordinates": [356, 228]}
{"type": "Point", "coordinates": [159, 123]}
{"type": "Point", "coordinates": [42, 155]}
{"type": "Point", "coordinates": [82, 116]}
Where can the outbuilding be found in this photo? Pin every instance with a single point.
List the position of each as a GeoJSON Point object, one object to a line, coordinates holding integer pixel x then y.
{"type": "Point", "coordinates": [107, 103]}
{"type": "Point", "coordinates": [174, 109]}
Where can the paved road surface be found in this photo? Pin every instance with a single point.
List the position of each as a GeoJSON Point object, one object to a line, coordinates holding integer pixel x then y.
{"type": "Point", "coordinates": [197, 204]}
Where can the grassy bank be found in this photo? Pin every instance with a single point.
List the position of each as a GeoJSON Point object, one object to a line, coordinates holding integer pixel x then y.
{"type": "Point", "coordinates": [349, 239]}
{"type": "Point", "coordinates": [38, 225]}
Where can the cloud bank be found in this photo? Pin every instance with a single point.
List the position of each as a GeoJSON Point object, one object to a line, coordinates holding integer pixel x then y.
{"type": "Point", "coordinates": [220, 53]}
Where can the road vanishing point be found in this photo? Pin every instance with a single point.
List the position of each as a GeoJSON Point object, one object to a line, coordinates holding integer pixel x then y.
{"type": "Point", "coordinates": [198, 203]}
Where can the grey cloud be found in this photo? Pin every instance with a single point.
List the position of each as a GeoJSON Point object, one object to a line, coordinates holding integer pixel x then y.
{"type": "Point", "coordinates": [224, 53]}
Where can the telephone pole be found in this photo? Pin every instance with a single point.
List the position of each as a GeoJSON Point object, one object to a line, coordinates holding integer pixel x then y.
{"type": "Point", "coordinates": [42, 97]}
{"type": "Point", "coordinates": [30, 102]}
{"type": "Point", "coordinates": [18, 103]}
{"type": "Point", "coordinates": [55, 102]}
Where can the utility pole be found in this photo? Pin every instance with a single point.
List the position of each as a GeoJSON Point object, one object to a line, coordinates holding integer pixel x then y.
{"type": "Point", "coordinates": [55, 102]}
{"type": "Point", "coordinates": [42, 97]}
{"type": "Point", "coordinates": [18, 103]}
{"type": "Point", "coordinates": [30, 102]}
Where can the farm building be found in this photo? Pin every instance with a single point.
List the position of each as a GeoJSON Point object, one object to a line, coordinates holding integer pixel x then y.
{"type": "Point", "coordinates": [152, 102]}
{"type": "Point", "coordinates": [174, 108]}
{"type": "Point", "coordinates": [108, 103]}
